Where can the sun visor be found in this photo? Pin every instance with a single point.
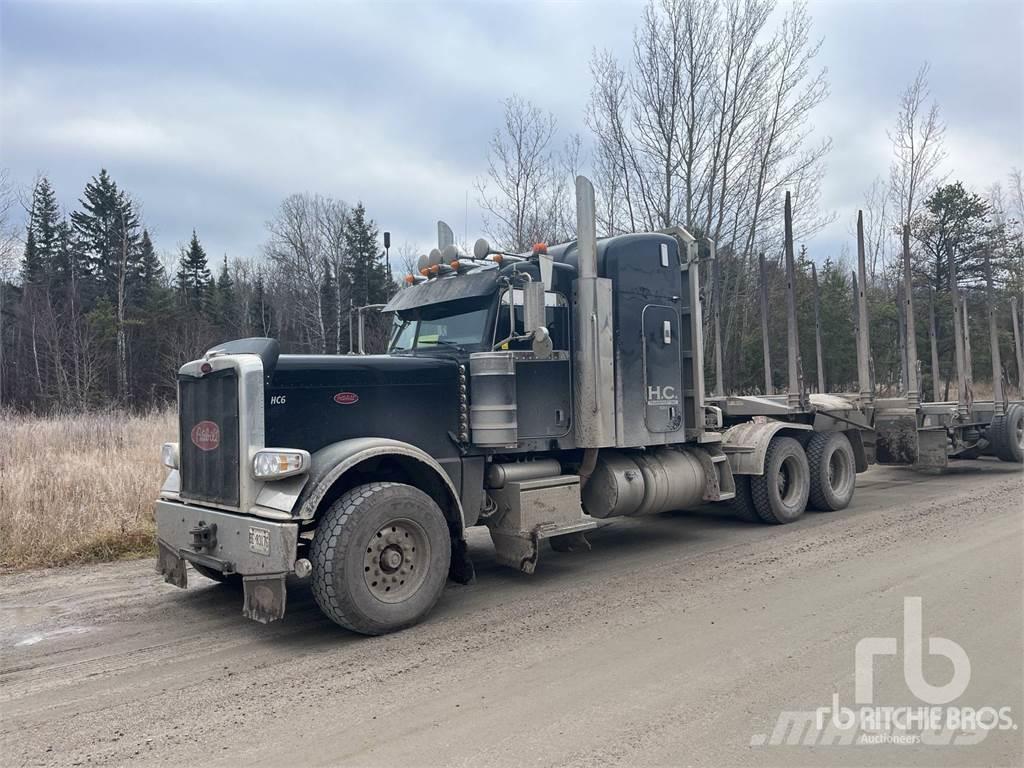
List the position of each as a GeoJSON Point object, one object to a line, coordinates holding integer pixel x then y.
{"type": "Point", "coordinates": [444, 289]}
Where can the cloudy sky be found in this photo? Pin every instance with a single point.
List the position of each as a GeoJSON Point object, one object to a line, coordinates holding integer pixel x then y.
{"type": "Point", "coordinates": [211, 112]}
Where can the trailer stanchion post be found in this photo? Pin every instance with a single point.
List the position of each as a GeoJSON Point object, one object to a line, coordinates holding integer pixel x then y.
{"type": "Point", "coordinates": [794, 390]}
{"type": "Point", "coordinates": [993, 333]}
{"type": "Point", "coordinates": [968, 358]}
{"type": "Point", "coordinates": [864, 380]}
{"type": "Point", "coordinates": [1017, 351]}
{"type": "Point", "coordinates": [958, 341]}
{"type": "Point", "coordinates": [934, 342]}
{"type": "Point", "coordinates": [817, 329]}
{"type": "Point", "coordinates": [913, 396]}
{"type": "Point", "coordinates": [768, 389]}
{"type": "Point", "coordinates": [901, 334]}
{"type": "Point", "coordinates": [716, 298]}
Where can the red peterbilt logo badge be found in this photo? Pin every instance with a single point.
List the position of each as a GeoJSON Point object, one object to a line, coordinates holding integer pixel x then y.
{"type": "Point", "coordinates": [346, 398]}
{"type": "Point", "coordinates": [206, 435]}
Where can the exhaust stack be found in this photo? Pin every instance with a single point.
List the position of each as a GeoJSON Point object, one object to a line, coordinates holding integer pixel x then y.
{"type": "Point", "coordinates": [593, 365]}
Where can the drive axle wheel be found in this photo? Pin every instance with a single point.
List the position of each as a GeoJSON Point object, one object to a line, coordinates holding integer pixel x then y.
{"type": "Point", "coordinates": [742, 504]}
{"type": "Point", "coordinates": [380, 558]}
{"type": "Point", "coordinates": [780, 494]}
{"type": "Point", "coordinates": [833, 471]}
{"type": "Point", "coordinates": [1006, 434]}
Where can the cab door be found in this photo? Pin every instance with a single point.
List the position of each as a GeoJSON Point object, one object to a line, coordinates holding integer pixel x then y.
{"type": "Point", "coordinates": [662, 369]}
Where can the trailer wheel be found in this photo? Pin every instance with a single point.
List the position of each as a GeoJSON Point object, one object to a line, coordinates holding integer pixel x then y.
{"type": "Point", "coordinates": [833, 471]}
{"type": "Point", "coordinates": [380, 558]}
{"type": "Point", "coordinates": [742, 504]}
{"type": "Point", "coordinates": [1006, 434]}
{"type": "Point", "coordinates": [780, 494]}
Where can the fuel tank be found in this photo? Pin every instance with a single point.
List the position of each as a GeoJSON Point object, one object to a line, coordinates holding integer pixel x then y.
{"type": "Point", "coordinates": [643, 483]}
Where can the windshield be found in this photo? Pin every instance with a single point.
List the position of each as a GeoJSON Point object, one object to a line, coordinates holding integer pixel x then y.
{"type": "Point", "coordinates": [456, 331]}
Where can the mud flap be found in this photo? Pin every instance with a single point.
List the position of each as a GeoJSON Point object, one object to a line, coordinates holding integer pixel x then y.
{"type": "Point", "coordinates": [265, 597]}
{"type": "Point", "coordinates": [515, 551]}
{"type": "Point", "coordinates": [896, 437]}
{"type": "Point", "coordinates": [932, 448]}
{"type": "Point", "coordinates": [461, 570]}
{"type": "Point", "coordinates": [170, 565]}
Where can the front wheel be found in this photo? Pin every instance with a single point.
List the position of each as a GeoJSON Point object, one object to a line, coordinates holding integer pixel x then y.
{"type": "Point", "coordinates": [380, 558]}
{"type": "Point", "coordinates": [780, 494]}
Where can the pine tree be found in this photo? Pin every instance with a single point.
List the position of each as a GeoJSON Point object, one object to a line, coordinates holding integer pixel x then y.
{"type": "Point", "coordinates": [367, 272]}
{"type": "Point", "coordinates": [33, 270]}
{"type": "Point", "coordinates": [224, 303]}
{"type": "Point", "coordinates": [42, 240]}
{"type": "Point", "coordinates": [151, 271]}
{"type": "Point", "coordinates": [193, 273]}
{"type": "Point", "coordinates": [107, 230]}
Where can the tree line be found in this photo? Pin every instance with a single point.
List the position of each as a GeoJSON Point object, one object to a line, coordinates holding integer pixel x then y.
{"type": "Point", "coordinates": [92, 316]}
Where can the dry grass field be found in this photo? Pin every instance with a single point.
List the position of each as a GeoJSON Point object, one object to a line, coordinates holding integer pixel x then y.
{"type": "Point", "coordinates": [78, 488]}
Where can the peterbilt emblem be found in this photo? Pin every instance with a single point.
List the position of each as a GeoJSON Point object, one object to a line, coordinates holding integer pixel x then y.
{"type": "Point", "coordinates": [346, 398]}
{"type": "Point", "coordinates": [206, 435]}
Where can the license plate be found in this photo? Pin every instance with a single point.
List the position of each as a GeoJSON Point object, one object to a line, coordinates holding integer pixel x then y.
{"type": "Point", "coordinates": [259, 541]}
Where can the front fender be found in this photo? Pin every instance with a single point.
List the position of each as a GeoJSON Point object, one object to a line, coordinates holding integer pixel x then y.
{"type": "Point", "coordinates": [746, 444]}
{"type": "Point", "coordinates": [331, 462]}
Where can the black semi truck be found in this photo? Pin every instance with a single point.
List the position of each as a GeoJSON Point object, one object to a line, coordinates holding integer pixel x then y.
{"type": "Point", "coordinates": [538, 394]}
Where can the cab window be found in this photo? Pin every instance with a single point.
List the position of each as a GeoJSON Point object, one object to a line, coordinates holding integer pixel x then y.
{"type": "Point", "coordinates": [556, 317]}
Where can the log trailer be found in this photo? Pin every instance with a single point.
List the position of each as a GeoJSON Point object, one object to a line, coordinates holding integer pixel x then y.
{"type": "Point", "coordinates": [538, 394]}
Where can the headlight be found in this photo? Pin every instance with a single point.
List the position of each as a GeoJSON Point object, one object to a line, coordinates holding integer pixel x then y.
{"type": "Point", "coordinates": [169, 455]}
{"type": "Point", "coordinates": [274, 463]}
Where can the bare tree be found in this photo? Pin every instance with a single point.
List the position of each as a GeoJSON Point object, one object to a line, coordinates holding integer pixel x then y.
{"type": "Point", "coordinates": [520, 194]}
{"type": "Point", "coordinates": [917, 148]}
{"type": "Point", "coordinates": [297, 249]}
{"type": "Point", "coordinates": [877, 227]}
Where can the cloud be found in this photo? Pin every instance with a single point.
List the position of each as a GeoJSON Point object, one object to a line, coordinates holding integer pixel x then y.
{"type": "Point", "coordinates": [212, 113]}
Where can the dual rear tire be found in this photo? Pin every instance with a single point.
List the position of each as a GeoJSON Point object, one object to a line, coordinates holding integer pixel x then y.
{"type": "Point", "coordinates": [822, 477]}
{"type": "Point", "coordinates": [1006, 435]}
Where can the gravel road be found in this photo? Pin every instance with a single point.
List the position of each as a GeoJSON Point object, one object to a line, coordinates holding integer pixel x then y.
{"type": "Point", "coordinates": [678, 640]}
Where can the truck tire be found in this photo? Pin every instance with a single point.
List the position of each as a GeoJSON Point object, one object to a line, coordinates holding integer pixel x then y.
{"type": "Point", "coordinates": [380, 558]}
{"type": "Point", "coordinates": [833, 471]}
{"type": "Point", "coordinates": [780, 494]}
{"type": "Point", "coordinates": [1006, 434]}
{"type": "Point", "coordinates": [742, 504]}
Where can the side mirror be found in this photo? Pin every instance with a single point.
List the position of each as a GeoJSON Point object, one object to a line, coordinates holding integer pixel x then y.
{"type": "Point", "coordinates": [533, 318]}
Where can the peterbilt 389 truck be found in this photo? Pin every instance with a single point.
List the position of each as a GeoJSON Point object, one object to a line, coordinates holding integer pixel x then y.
{"type": "Point", "coordinates": [539, 394]}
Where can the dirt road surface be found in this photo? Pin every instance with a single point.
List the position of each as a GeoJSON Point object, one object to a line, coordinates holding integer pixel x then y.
{"type": "Point", "coordinates": [678, 640]}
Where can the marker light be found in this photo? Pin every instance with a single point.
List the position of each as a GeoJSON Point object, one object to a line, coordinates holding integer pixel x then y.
{"type": "Point", "coordinates": [275, 463]}
{"type": "Point", "coordinates": [169, 455]}
{"type": "Point", "coordinates": [540, 248]}
{"type": "Point", "coordinates": [455, 265]}
{"type": "Point", "coordinates": [410, 279]}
